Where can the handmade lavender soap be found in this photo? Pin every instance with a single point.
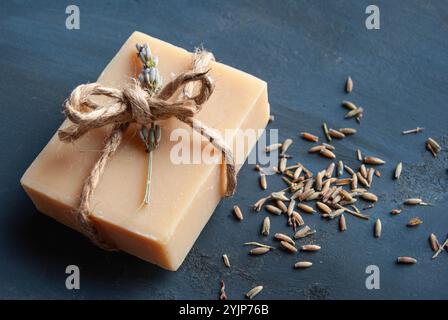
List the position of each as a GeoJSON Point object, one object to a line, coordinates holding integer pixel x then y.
{"type": "Point", "coordinates": [183, 196]}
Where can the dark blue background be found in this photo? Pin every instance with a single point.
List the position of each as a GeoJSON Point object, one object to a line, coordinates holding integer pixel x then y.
{"type": "Point", "coordinates": [304, 50]}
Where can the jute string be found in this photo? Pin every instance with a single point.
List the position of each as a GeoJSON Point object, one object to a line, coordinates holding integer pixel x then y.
{"type": "Point", "coordinates": [135, 105]}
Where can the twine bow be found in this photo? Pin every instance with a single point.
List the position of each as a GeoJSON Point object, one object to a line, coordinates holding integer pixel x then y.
{"type": "Point", "coordinates": [135, 105]}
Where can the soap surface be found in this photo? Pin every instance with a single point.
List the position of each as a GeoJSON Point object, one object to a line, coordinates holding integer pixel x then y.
{"type": "Point", "coordinates": [184, 196]}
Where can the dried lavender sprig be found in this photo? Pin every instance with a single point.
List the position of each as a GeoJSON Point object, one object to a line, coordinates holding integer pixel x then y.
{"type": "Point", "coordinates": [151, 81]}
{"type": "Point", "coordinates": [151, 137]}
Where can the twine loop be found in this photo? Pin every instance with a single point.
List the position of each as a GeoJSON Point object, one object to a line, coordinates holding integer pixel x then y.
{"type": "Point", "coordinates": [133, 104]}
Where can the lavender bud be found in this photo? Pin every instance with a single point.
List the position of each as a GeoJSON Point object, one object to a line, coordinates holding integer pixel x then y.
{"type": "Point", "coordinates": [158, 134]}
{"type": "Point", "coordinates": [152, 138]}
{"type": "Point", "coordinates": [143, 133]}
{"type": "Point", "coordinates": [147, 52]}
{"type": "Point", "coordinates": [153, 75]}
{"type": "Point", "coordinates": [141, 55]}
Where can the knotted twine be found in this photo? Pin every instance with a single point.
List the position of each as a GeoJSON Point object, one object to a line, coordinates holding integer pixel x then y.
{"type": "Point", "coordinates": [135, 105]}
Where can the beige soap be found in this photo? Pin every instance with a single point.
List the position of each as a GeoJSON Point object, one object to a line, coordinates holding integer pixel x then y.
{"type": "Point", "coordinates": [183, 196]}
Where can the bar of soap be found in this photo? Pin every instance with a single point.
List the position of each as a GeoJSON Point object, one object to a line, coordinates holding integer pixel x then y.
{"type": "Point", "coordinates": [184, 196]}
